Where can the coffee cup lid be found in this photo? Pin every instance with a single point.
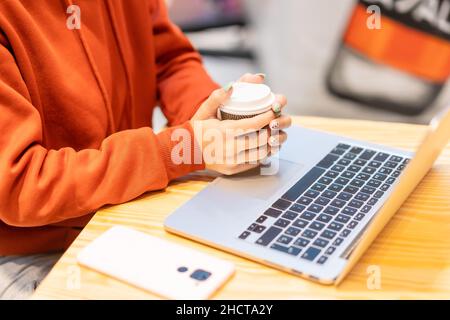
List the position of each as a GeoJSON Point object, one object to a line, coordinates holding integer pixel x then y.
{"type": "Point", "coordinates": [249, 98]}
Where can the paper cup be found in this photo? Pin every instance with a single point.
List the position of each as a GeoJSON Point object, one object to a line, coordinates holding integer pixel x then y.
{"type": "Point", "coordinates": [247, 100]}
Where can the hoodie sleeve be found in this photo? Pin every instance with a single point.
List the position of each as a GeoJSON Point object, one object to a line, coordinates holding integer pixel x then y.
{"type": "Point", "coordinates": [39, 186]}
{"type": "Point", "coordinates": [183, 83]}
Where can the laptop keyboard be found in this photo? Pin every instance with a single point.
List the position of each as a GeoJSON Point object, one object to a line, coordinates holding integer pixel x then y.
{"type": "Point", "coordinates": [315, 215]}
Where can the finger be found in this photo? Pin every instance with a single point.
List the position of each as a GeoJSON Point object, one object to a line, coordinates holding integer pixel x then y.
{"type": "Point", "coordinates": [252, 140]}
{"type": "Point", "coordinates": [253, 78]}
{"type": "Point", "coordinates": [279, 104]}
{"type": "Point", "coordinates": [219, 96]}
{"type": "Point", "coordinates": [283, 122]}
{"type": "Point", "coordinates": [278, 139]}
{"type": "Point", "coordinates": [248, 125]}
{"type": "Point", "coordinates": [230, 170]}
{"type": "Point", "coordinates": [252, 156]}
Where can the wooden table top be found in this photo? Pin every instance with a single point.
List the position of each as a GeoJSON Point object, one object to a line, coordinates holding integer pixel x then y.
{"type": "Point", "coordinates": [412, 253]}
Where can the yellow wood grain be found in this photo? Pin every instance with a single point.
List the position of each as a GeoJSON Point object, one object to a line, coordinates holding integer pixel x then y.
{"type": "Point", "coordinates": [412, 252]}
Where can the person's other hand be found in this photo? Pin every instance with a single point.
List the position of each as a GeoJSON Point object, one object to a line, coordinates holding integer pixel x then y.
{"type": "Point", "coordinates": [234, 146]}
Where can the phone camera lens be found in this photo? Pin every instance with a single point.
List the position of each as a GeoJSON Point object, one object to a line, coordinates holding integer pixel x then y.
{"type": "Point", "coordinates": [200, 275]}
{"type": "Point", "coordinates": [182, 269]}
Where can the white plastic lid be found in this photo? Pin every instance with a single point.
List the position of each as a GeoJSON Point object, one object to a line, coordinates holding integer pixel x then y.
{"type": "Point", "coordinates": [248, 99]}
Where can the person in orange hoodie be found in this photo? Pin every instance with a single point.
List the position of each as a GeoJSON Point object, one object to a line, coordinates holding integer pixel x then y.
{"type": "Point", "coordinates": [78, 84]}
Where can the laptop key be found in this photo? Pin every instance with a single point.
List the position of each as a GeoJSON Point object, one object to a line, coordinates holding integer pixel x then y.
{"type": "Point", "coordinates": [311, 253]}
{"type": "Point", "coordinates": [378, 194]}
{"type": "Point", "coordinates": [252, 227]}
{"type": "Point", "coordinates": [338, 203]}
{"type": "Point", "coordinates": [357, 183]}
{"type": "Point", "coordinates": [328, 234]}
{"type": "Point", "coordinates": [290, 250]}
{"type": "Point", "coordinates": [312, 194]}
{"type": "Point", "coordinates": [390, 180]}
{"type": "Point", "coordinates": [300, 242]}
{"type": "Point", "coordinates": [268, 236]}
{"type": "Point", "coordinates": [350, 156]}
{"type": "Point", "coordinates": [322, 260]}
{"type": "Point", "coordinates": [355, 204]}
{"type": "Point", "coordinates": [338, 241]}
{"type": "Point", "coordinates": [316, 225]}
{"type": "Point", "coordinates": [385, 170]}
{"type": "Point", "coordinates": [261, 219]}
{"type": "Point", "coordinates": [329, 194]}
{"type": "Point", "coordinates": [303, 184]}
{"type": "Point", "coordinates": [348, 174]}
{"type": "Point", "coordinates": [344, 196]}
{"type": "Point", "coordinates": [335, 187]}
{"type": "Point", "coordinates": [284, 239]}
{"type": "Point", "coordinates": [363, 176]}
{"type": "Point", "coordinates": [356, 150]}
{"type": "Point", "coordinates": [345, 232]}
{"type": "Point", "coordinates": [324, 218]}
{"type": "Point", "coordinates": [289, 215]}
{"type": "Point", "coordinates": [354, 168]}
{"type": "Point", "coordinates": [297, 208]}
{"type": "Point", "coordinates": [307, 215]}
{"type": "Point", "coordinates": [331, 174]}
{"type": "Point", "coordinates": [299, 223]}
{"type": "Point", "coordinates": [338, 168]}
{"type": "Point", "coordinates": [366, 209]}
{"type": "Point", "coordinates": [304, 201]}
{"type": "Point", "coordinates": [244, 235]}
{"type": "Point", "coordinates": [374, 183]}
{"type": "Point", "coordinates": [385, 187]}
{"type": "Point", "coordinates": [322, 201]}
{"type": "Point", "coordinates": [330, 250]}
{"type": "Point", "coordinates": [342, 218]}
{"type": "Point", "coordinates": [274, 213]}
{"type": "Point", "coordinates": [368, 190]}
{"type": "Point", "coordinates": [321, 243]}
{"type": "Point", "coordinates": [349, 211]}
{"type": "Point", "coordinates": [367, 154]}
{"type": "Point", "coordinates": [395, 158]}
{"type": "Point", "coordinates": [342, 181]}
{"type": "Point", "coordinates": [374, 164]}
{"type": "Point", "coordinates": [390, 164]}
{"type": "Point", "coordinates": [360, 162]}
{"type": "Point", "coordinates": [359, 216]}
{"type": "Point", "coordinates": [281, 204]}
{"type": "Point", "coordinates": [344, 162]}
{"type": "Point", "coordinates": [338, 151]}
{"type": "Point", "coordinates": [372, 201]}
{"type": "Point", "coordinates": [259, 229]}
{"type": "Point", "coordinates": [361, 196]}
{"type": "Point", "coordinates": [396, 173]}
{"type": "Point", "coordinates": [380, 177]}
{"type": "Point", "coordinates": [328, 161]}
{"type": "Point", "coordinates": [352, 224]}
{"type": "Point", "coordinates": [381, 157]}
{"type": "Point", "coordinates": [351, 189]}
{"type": "Point", "coordinates": [318, 187]}
{"type": "Point", "coordinates": [309, 234]}
{"type": "Point", "coordinates": [331, 210]}
{"type": "Point", "coordinates": [335, 226]}
{"type": "Point", "coordinates": [343, 146]}
{"type": "Point", "coordinates": [291, 231]}
{"type": "Point", "coordinates": [325, 180]}
{"type": "Point", "coordinates": [282, 223]}
{"type": "Point", "coordinates": [315, 208]}
{"type": "Point", "coordinates": [369, 170]}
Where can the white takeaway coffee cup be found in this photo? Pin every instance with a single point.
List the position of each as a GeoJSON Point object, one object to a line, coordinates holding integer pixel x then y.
{"type": "Point", "coordinates": [246, 101]}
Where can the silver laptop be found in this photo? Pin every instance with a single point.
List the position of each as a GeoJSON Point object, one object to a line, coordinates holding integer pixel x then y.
{"type": "Point", "coordinates": [316, 216]}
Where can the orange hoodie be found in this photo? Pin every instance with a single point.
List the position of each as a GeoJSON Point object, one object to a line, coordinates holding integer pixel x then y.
{"type": "Point", "coordinates": [76, 109]}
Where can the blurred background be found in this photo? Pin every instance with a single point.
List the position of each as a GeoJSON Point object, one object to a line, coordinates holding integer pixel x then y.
{"type": "Point", "coordinates": [324, 56]}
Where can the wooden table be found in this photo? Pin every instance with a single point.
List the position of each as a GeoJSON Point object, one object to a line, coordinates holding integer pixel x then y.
{"type": "Point", "coordinates": [412, 253]}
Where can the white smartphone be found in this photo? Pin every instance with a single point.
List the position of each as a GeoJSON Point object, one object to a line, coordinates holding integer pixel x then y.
{"type": "Point", "coordinates": [164, 268]}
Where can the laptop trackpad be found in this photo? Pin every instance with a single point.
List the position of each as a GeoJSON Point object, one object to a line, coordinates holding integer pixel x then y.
{"type": "Point", "coordinates": [253, 184]}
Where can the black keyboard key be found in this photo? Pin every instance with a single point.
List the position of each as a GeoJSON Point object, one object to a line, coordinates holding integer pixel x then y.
{"type": "Point", "coordinates": [329, 194]}
{"type": "Point", "coordinates": [299, 223]}
{"type": "Point", "coordinates": [303, 184]}
{"type": "Point", "coordinates": [338, 168]}
{"type": "Point", "coordinates": [308, 215]}
{"type": "Point", "coordinates": [338, 203]}
{"type": "Point", "coordinates": [378, 194]}
{"type": "Point", "coordinates": [395, 174]}
{"type": "Point", "coordinates": [338, 151]}
{"type": "Point", "coordinates": [401, 167]}
{"type": "Point", "coordinates": [325, 180]}
{"type": "Point", "coordinates": [309, 234]}
{"type": "Point", "coordinates": [356, 150]}
{"type": "Point", "coordinates": [385, 187]}
{"type": "Point", "coordinates": [297, 208]}
{"type": "Point", "coordinates": [274, 213]}
{"type": "Point", "coordinates": [363, 176]}
{"type": "Point", "coordinates": [322, 260]}
{"type": "Point", "coordinates": [328, 161]}
{"type": "Point", "coordinates": [331, 174]}
{"type": "Point", "coordinates": [359, 216]}
{"type": "Point", "coordinates": [362, 196]}
{"type": "Point", "coordinates": [351, 189]}
{"type": "Point", "coordinates": [357, 183]}
{"type": "Point", "coordinates": [374, 183]}
{"type": "Point", "coordinates": [312, 194]}
{"type": "Point", "coordinates": [348, 175]}
{"type": "Point", "coordinates": [244, 235]}
{"type": "Point", "coordinates": [342, 218]}
{"type": "Point", "coordinates": [281, 204]}
{"type": "Point", "coordinates": [360, 162]}
{"type": "Point", "coordinates": [355, 204]}
{"type": "Point", "coordinates": [321, 243]}
{"type": "Point", "coordinates": [369, 170]}
{"type": "Point", "coordinates": [352, 224]}
{"type": "Point", "coordinates": [385, 170]}
{"type": "Point", "coordinates": [259, 229]}
{"type": "Point", "coordinates": [368, 190]}
{"type": "Point", "coordinates": [268, 236]}
{"type": "Point", "coordinates": [290, 215]}
{"type": "Point", "coordinates": [343, 146]}
{"type": "Point", "coordinates": [350, 156]}
{"type": "Point", "coordinates": [261, 219]}
{"type": "Point", "coordinates": [330, 250]}
{"type": "Point", "coordinates": [315, 208]}
{"type": "Point", "coordinates": [367, 154]}
{"type": "Point", "coordinates": [406, 161]}
{"type": "Point", "coordinates": [380, 177]}
{"type": "Point", "coordinates": [290, 250]}
{"type": "Point", "coordinates": [366, 209]}
{"type": "Point", "coordinates": [345, 233]}
{"type": "Point", "coordinates": [342, 181]}
{"type": "Point", "coordinates": [291, 231]}
{"type": "Point", "coordinates": [324, 218]}
{"type": "Point", "coordinates": [335, 187]}
{"type": "Point", "coordinates": [391, 165]}
{"type": "Point", "coordinates": [335, 226]}
{"type": "Point", "coordinates": [331, 210]}
{"type": "Point", "coordinates": [304, 201]}
{"type": "Point", "coordinates": [390, 180]}
{"type": "Point", "coordinates": [300, 242]}
{"type": "Point", "coordinates": [252, 226]}
{"type": "Point", "coordinates": [354, 168]}
{"type": "Point", "coordinates": [338, 241]}
{"type": "Point", "coordinates": [374, 164]}
{"type": "Point", "coordinates": [349, 211]}
{"type": "Point", "coordinates": [328, 234]}
{"type": "Point", "coordinates": [311, 253]}
{"type": "Point", "coordinates": [282, 223]}
{"type": "Point", "coordinates": [372, 201]}
{"type": "Point", "coordinates": [344, 162]}
{"type": "Point", "coordinates": [344, 196]}
{"type": "Point", "coordinates": [284, 239]}
{"type": "Point", "coordinates": [322, 201]}
{"type": "Point", "coordinates": [316, 225]}
{"type": "Point", "coordinates": [395, 158]}
{"type": "Point", "coordinates": [318, 187]}
{"type": "Point", "coordinates": [381, 157]}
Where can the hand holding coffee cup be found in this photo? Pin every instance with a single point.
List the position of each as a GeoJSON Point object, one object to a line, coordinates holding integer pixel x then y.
{"type": "Point", "coordinates": [252, 108]}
